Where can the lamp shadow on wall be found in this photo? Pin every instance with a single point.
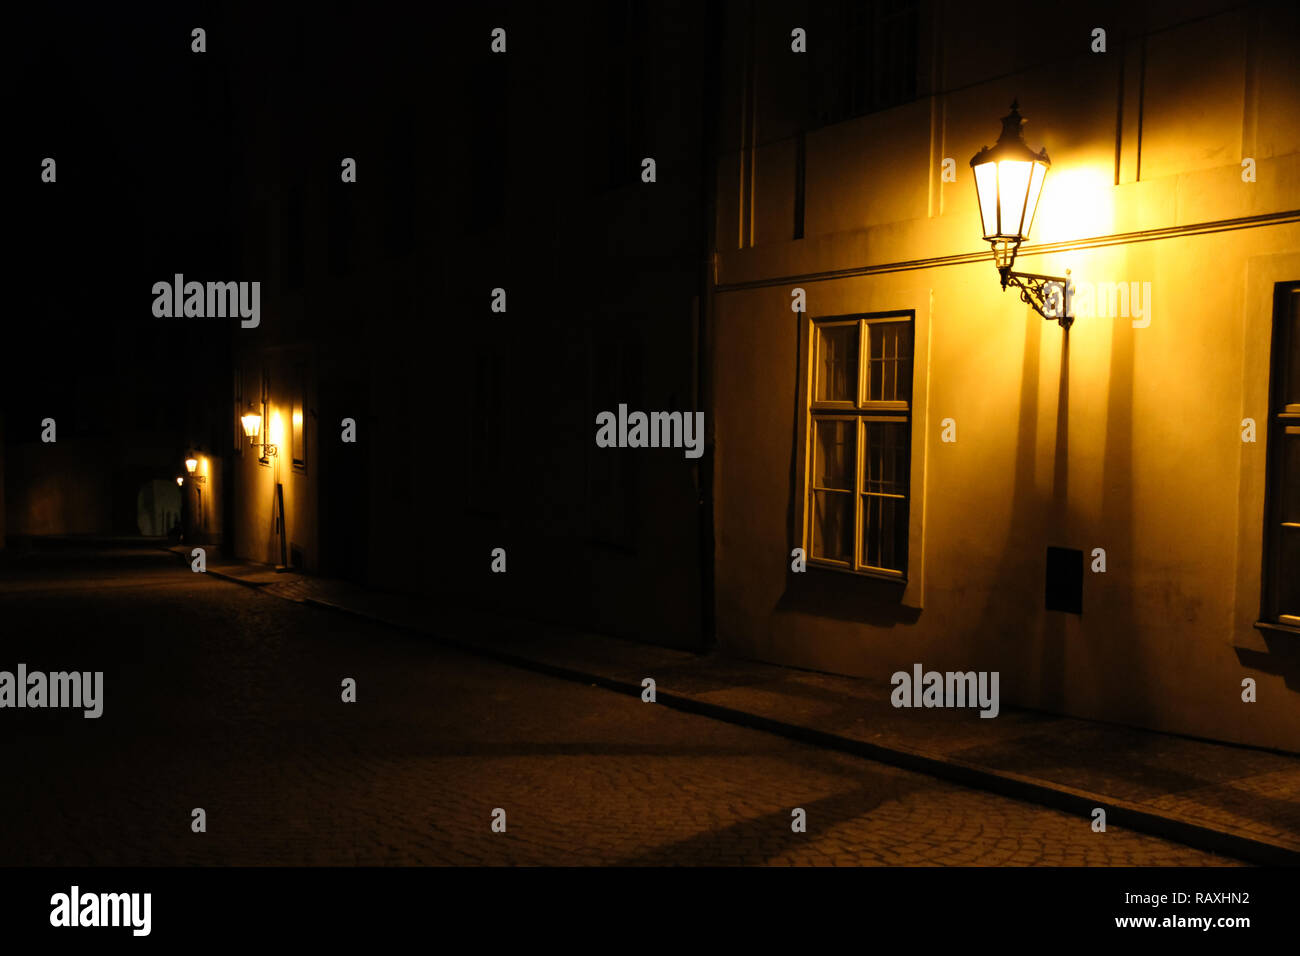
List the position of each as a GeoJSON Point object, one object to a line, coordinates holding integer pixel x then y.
{"type": "Point", "coordinates": [1052, 653]}
{"type": "Point", "coordinates": [1051, 660]}
{"type": "Point", "coordinates": [1042, 518]}
{"type": "Point", "coordinates": [1116, 521]}
{"type": "Point", "coordinates": [1021, 565]}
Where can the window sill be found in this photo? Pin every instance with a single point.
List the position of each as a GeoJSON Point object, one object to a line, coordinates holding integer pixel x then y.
{"type": "Point", "coordinates": [892, 576]}
{"type": "Point", "coordinates": [847, 595]}
{"type": "Point", "coordinates": [1276, 628]}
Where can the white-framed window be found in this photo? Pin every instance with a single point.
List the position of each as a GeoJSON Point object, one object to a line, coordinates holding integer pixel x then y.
{"type": "Point", "coordinates": [858, 443]}
{"type": "Point", "coordinates": [1281, 580]}
{"type": "Point", "coordinates": [298, 418]}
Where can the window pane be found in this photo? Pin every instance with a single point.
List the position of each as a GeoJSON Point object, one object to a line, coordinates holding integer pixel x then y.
{"type": "Point", "coordinates": [837, 364]}
{"type": "Point", "coordinates": [1288, 572]}
{"type": "Point", "coordinates": [885, 458]}
{"type": "Point", "coordinates": [1288, 489]}
{"type": "Point", "coordinates": [889, 373]}
{"type": "Point", "coordinates": [833, 525]}
{"type": "Point", "coordinates": [1291, 387]}
{"type": "Point", "coordinates": [834, 453]}
{"type": "Point", "coordinates": [297, 412]}
{"type": "Point", "coordinates": [884, 532]}
{"type": "Point", "coordinates": [1282, 548]}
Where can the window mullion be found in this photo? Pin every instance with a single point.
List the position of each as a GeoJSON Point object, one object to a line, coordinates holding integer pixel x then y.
{"type": "Point", "coordinates": [864, 390]}
{"type": "Point", "coordinates": [864, 362]}
{"type": "Point", "coordinates": [857, 496]}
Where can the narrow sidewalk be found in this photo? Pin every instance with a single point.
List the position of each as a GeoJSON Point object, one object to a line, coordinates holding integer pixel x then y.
{"type": "Point", "coordinates": [1237, 801]}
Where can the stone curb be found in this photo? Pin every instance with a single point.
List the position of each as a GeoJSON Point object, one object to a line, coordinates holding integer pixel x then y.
{"type": "Point", "coordinates": [1017, 786]}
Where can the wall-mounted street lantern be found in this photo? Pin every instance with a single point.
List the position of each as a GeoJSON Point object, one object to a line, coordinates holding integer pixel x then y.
{"type": "Point", "coordinates": [191, 466]}
{"type": "Point", "coordinates": [252, 423]}
{"type": "Point", "coordinates": [1008, 180]}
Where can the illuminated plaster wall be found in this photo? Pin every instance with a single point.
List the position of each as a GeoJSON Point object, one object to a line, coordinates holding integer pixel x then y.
{"type": "Point", "coordinates": [204, 520]}
{"type": "Point", "coordinates": [1136, 450]}
{"type": "Point", "coordinates": [254, 520]}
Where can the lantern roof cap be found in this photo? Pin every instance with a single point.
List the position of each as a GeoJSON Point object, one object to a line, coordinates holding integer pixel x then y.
{"type": "Point", "coordinates": [1011, 144]}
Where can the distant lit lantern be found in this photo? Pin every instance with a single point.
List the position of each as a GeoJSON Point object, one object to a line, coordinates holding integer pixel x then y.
{"type": "Point", "coordinates": [180, 480]}
{"type": "Point", "coordinates": [252, 423]}
{"type": "Point", "coordinates": [191, 465]}
{"type": "Point", "coordinates": [1008, 182]}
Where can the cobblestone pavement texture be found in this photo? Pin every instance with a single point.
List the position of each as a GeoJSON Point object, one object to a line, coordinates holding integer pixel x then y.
{"type": "Point", "coordinates": [226, 698]}
{"type": "Point", "coordinates": [1239, 790]}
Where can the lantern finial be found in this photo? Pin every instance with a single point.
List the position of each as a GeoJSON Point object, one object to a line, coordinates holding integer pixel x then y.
{"type": "Point", "coordinates": [1012, 125]}
{"type": "Point", "coordinates": [1008, 179]}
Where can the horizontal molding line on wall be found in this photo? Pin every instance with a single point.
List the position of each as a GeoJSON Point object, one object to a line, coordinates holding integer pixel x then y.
{"type": "Point", "coordinates": [965, 258]}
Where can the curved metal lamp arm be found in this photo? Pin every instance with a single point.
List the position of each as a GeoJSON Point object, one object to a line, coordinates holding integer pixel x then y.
{"type": "Point", "coordinates": [268, 450]}
{"type": "Point", "coordinates": [1049, 296]}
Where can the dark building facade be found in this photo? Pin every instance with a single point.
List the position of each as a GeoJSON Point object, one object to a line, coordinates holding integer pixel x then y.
{"type": "Point", "coordinates": [113, 186]}
{"type": "Point", "coordinates": [498, 274]}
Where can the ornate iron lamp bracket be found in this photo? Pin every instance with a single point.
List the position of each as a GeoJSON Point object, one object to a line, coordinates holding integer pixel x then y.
{"type": "Point", "coordinates": [1049, 296]}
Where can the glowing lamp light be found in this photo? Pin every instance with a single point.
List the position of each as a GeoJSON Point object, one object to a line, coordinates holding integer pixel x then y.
{"type": "Point", "coordinates": [191, 466]}
{"type": "Point", "coordinates": [1008, 182]}
{"type": "Point", "coordinates": [252, 423]}
{"type": "Point", "coordinates": [180, 480]}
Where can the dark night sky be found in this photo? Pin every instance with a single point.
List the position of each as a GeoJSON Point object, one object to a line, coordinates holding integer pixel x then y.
{"type": "Point", "coordinates": [129, 115]}
{"type": "Point", "coordinates": [160, 158]}
{"type": "Point", "coordinates": [149, 156]}
{"type": "Point", "coordinates": [156, 170]}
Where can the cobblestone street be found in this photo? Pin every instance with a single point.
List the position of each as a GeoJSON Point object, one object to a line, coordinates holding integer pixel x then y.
{"type": "Point", "coordinates": [221, 697]}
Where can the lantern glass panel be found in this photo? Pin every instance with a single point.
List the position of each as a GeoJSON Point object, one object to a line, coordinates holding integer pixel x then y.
{"type": "Point", "coordinates": [1035, 189]}
{"type": "Point", "coordinates": [986, 184]}
{"type": "Point", "coordinates": [1013, 188]}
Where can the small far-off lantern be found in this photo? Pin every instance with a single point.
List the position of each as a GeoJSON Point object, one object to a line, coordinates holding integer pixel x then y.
{"type": "Point", "coordinates": [1008, 182]}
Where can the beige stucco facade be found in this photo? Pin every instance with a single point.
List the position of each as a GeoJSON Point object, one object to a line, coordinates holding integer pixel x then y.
{"type": "Point", "coordinates": [1126, 434]}
{"type": "Point", "coordinates": [256, 526]}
